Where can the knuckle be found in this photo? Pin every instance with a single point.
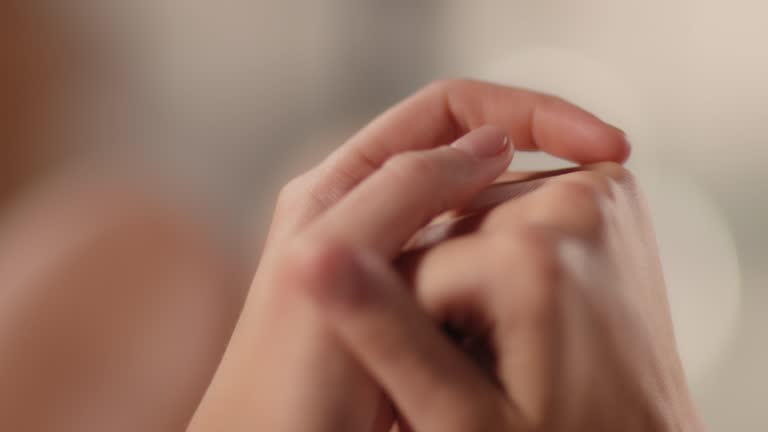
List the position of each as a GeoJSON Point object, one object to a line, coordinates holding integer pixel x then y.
{"type": "Point", "coordinates": [571, 207]}
{"type": "Point", "coordinates": [292, 190]}
{"type": "Point", "coordinates": [578, 200]}
{"type": "Point", "coordinates": [314, 261]}
{"type": "Point", "coordinates": [594, 182]}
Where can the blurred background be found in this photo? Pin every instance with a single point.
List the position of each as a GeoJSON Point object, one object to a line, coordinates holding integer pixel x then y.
{"type": "Point", "coordinates": [226, 100]}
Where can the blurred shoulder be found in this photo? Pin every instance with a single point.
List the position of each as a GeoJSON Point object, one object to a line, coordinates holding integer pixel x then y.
{"type": "Point", "coordinates": [79, 222]}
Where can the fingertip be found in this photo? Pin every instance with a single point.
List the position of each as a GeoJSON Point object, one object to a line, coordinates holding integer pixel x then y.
{"type": "Point", "coordinates": [566, 130]}
{"type": "Point", "coordinates": [616, 144]}
{"type": "Point", "coordinates": [600, 141]}
{"type": "Point", "coordinates": [625, 147]}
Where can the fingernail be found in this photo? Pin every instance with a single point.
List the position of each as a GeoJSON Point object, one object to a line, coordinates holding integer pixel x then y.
{"type": "Point", "coordinates": [484, 143]}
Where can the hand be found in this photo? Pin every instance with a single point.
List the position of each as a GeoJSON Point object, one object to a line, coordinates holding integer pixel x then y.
{"type": "Point", "coordinates": [558, 288]}
{"type": "Point", "coordinates": [283, 369]}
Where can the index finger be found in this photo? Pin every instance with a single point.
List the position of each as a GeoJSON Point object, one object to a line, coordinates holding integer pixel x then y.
{"type": "Point", "coordinates": [446, 110]}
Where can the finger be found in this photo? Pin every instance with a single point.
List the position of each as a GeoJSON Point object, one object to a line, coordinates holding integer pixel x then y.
{"type": "Point", "coordinates": [503, 274]}
{"type": "Point", "coordinates": [410, 189]}
{"type": "Point", "coordinates": [497, 288]}
{"type": "Point", "coordinates": [443, 111]}
{"type": "Point", "coordinates": [553, 332]}
{"type": "Point", "coordinates": [434, 387]}
{"type": "Point", "coordinates": [514, 184]}
{"type": "Point", "coordinates": [576, 204]}
{"type": "Point", "coordinates": [571, 199]}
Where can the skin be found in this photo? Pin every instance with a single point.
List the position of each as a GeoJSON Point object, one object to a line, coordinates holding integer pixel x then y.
{"type": "Point", "coordinates": [561, 281]}
{"type": "Point", "coordinates": [113, 315]}
{"type": "Point", "coordinates": [570, 300]}
{"type": "Point", "coordinates": [115, 306]}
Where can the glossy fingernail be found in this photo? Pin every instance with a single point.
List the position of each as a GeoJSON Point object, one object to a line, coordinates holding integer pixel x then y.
{"type": "Point", "coordinates": [484, 143]}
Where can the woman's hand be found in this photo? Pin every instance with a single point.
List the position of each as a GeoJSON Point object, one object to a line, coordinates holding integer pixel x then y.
{"type": "Point", "coordinates": [284, 369]}
{"type": "Point", "coordinates": [553, 284]}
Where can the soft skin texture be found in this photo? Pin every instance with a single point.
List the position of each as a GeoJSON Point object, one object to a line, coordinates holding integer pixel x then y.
{"type": "Point", "coordinates": [115, 309]}
{"type": "Point", "coordinates": [569, 296]}
{"type": "Point", "coordinates": [115, 306]}
{"type": "Point", "coordinates": [333, 336]}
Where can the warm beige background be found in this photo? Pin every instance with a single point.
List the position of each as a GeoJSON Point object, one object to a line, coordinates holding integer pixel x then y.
{"type": "Point", "coordinates": [231, 97]}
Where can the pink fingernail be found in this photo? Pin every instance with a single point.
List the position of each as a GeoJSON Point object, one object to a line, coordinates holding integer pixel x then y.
{"type": "Point", "coordinates": [484, 143]}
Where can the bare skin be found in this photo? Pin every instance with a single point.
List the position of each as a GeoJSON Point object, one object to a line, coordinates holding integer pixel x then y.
{"type": "Point", "coordinates": [563, 281]}
{"type": "Point", "coordinates": [113, 314]}
{"type": "Point", "coordinates": [114, 310]}
{"type": "Point", "coordinates": [115, 306]}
